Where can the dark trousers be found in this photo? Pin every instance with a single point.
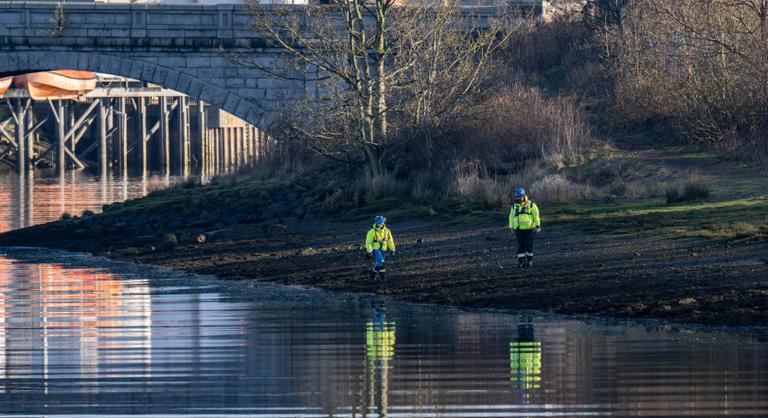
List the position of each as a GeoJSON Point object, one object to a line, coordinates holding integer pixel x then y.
{"type": "Point", "coordinates": [524, 242]}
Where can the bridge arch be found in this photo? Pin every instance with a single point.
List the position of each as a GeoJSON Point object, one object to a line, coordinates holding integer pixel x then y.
{"type": "Point", "coordinates": [139, 68]}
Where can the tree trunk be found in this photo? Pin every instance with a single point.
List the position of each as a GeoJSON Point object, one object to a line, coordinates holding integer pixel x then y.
{"type": "Point", "coordinates": [375, 167]}
{"type": "Point", "coordinates": [381, 76]}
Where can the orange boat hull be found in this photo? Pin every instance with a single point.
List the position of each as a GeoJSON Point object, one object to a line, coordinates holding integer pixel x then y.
{"type": "Point", "coordinates": [5, 83]}
{"type": "Point", "coordinates": [58, 84]}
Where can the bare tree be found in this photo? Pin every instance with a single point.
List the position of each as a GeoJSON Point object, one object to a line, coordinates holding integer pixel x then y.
{"type": "Point", "coordinates": [372, 59]}
{"type": "Point", "coordinates": [703, 66]}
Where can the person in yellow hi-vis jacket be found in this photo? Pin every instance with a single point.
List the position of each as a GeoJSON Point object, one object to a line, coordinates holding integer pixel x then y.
{"type": "Point", "coordinates": [524, 219]}
{"type": "Point", "coordinates": [378, 244]}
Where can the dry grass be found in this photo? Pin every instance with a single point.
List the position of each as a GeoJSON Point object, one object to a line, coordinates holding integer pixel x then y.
{"type": "Point", "coordinates": [692, 190]}
{"type": "Point", "coordinates": [519, 124]}
{"type": "Point", "coordinates": [471, 183]}
{"type": "Point", "coordinates": [555, 188]}
{"type": "Point", "coordinates": [373, 188]}
{"type": "Point", "coordinates": [427, 188]}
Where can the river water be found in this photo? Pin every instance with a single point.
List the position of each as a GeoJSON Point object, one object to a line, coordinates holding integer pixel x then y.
{"type": "Point", "coordinates": [35, 198]}
{"type": "Point", "coordinates": [88, 336]}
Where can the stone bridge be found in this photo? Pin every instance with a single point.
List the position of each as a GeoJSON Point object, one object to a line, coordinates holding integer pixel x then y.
{"type": "Point", "coordinates": [182, 47]}
{"type": "Point", "coordinates": [186, 48]}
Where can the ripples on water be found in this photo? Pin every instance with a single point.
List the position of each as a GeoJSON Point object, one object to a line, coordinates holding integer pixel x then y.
{"type": "Point", "coordinates": [85, 336]}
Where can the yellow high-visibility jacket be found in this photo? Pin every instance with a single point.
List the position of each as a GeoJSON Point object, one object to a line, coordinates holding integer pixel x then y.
{"type": "Point", "coordinates": [380, 239]}
{"type": "Point", "coordinates": [524, 216]}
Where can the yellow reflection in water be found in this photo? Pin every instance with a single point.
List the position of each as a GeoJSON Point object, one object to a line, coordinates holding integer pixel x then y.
{"type": "Point", "coordinates": [525, 357]}
{"type": "Point", "coordinates": [380, 338]}
{"type": "Point", "coordinates": [525, 363]}
{"type": "Point", "coordinates": [379, 351]}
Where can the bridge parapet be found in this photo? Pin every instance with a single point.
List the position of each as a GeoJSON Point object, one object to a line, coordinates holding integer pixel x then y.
{"type": "Point", "coordinates": [115, 25]}
{"type": "Point", "coordinates": [178, 46]}
{"type": "Point", "coordinates": [159, 25]}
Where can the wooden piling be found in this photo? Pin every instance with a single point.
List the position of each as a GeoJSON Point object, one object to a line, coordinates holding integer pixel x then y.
{"type": "Point", "coordinates": [233, 148]}
{"type": "Point", "coordinates": [255, 136]}
{"type": "Point", "coordinates": [141, 137]}
{"type": "Point", "coordinates": [61, 132]}
{"type": "Point", "coordinates": [70, 116]}
{"type": "Point", "coordinates": [246, 145]}
{"type": "Point", "coordinates": [216, 149]}
{"type": "Point", "coordinates": [227, 149]}
{"type": "Point", "coordinates": [260, 139]}
{"type": "Point", "coordinates": [182, 140]}
{"type": "Point", "coordinates": [21, 142]}
{"type": "Point", "coordinates": [122, 162]}
{"type": "Point", "coordinates": [31, 134]}
{"type": "Point", "coordinates": [200, 143]}
{"type": "Point", "coordinates": [237, 151]}
{"type": "Point", "coordinates": [111, 140]}
{"type": "Point", "coordinates": [103, 162]}
{"type": "Point", "coordinates": [219, 149]}
{"type": "Point", "coordinates": [243, 146]}
{"type": "Point", "coordinates": [165, 137]}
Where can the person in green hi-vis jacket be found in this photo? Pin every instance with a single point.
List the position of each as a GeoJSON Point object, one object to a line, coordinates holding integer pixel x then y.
{"type": "Point", "coordinates": [524, 221]}
{"type": "Point", "coordinates": [378, 244]}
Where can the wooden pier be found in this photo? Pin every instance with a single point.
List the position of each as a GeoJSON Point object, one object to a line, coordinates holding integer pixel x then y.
{"type": "Point", "coordinates": [124, 131]}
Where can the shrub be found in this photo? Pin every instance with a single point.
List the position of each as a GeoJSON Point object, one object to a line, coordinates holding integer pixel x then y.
{"type": "Point", "coordinates": [471, 184]}
{"type": "Point", "coordinates": [692, 190]}
{"type": "Point", "coordinates": [555, 188]}
{"type": "Point", "coordinates": [608, 171]}
{"type": "Point", "coordinates": [519, 124]}
{"type": "Point", "coordinates": [539, 48]}
{"type": "Point", "coordinates": [426, 187]}
{"type": "Point", "coordinates": [366, 190]}
{"type": "Point", "coordinates": [380, 186]}
{"type": "Point", "coordinates": [337, 201]}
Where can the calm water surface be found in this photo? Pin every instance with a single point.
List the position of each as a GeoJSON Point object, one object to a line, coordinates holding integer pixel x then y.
{"type": "Point", "coordinates": [80, 335]}
{"type": "Point", "coordinates": [34, 198]}
{"type": "Point", "coordinates": [87, 336]}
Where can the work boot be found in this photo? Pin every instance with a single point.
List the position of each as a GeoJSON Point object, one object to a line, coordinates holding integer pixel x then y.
{"type": "Point", "coordinates": [372, 276]}
{"type": "Point", "coordinates": [521, 262]}
{"type": "Point", "coordinates": [383, 276]}
{"type": "Point", "coordinates": [529, 263]}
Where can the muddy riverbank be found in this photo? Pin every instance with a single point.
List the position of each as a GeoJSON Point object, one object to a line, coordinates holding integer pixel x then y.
{"type": "Point", "coordinates": [681, 280]}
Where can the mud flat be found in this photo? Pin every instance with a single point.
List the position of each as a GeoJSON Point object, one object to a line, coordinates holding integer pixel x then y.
{"type": "Point", "coordinates": [687, 280]}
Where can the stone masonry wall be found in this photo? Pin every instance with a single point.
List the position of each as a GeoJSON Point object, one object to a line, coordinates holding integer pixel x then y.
{"type": "Point", "coordinates": [187, 48]}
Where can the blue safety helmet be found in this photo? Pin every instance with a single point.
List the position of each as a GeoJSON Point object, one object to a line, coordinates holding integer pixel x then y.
{"type": "Point", "coordinates": [380, 220]}
{"type": "Point", "coordinates": [519, 192]}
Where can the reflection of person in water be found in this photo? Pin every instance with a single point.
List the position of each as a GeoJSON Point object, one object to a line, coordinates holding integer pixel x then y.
{"type": "Point", "coordinates": [525, 357]}
{"type": "Point", "coordinates": [379, 350]}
